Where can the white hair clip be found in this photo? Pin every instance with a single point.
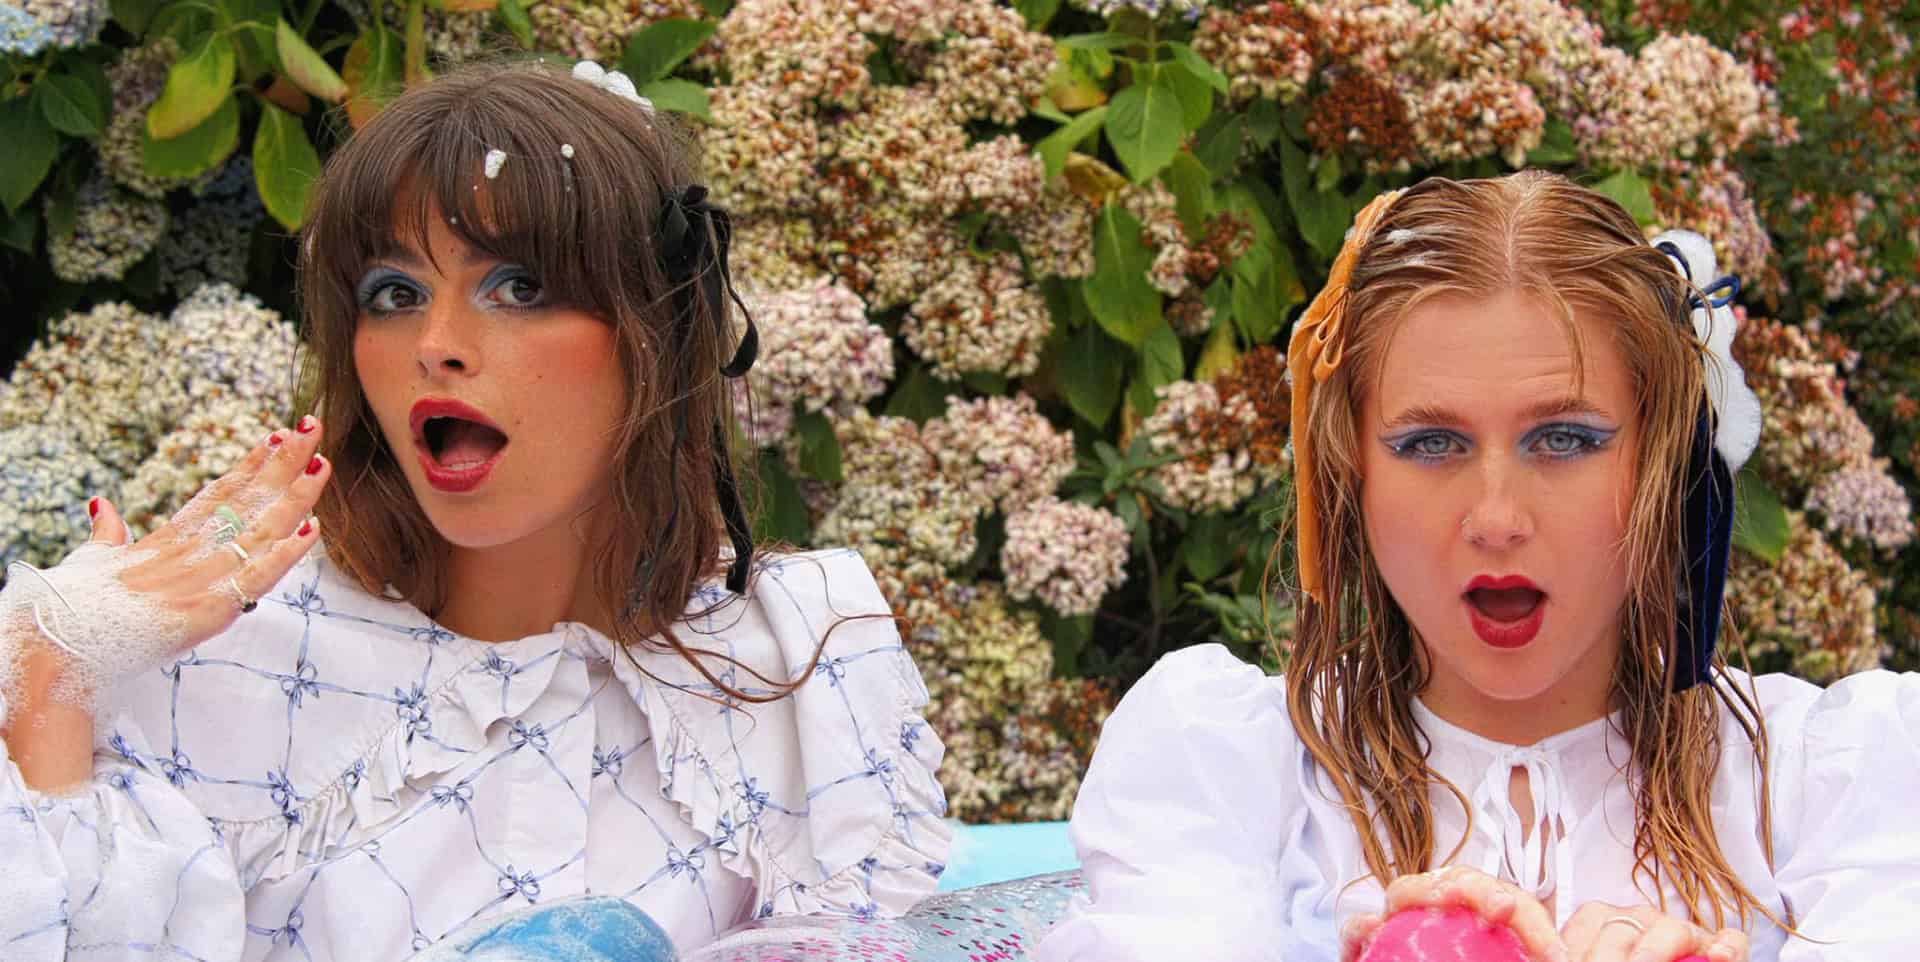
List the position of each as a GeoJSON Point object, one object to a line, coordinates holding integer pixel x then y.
{"type": "Point", "coordinates": [1737, 407]}
{"type": "Point", "coordinates": [611, 81]}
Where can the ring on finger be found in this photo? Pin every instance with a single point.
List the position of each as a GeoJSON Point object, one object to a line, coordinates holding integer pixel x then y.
{"type": "Point", "coordinates": [246, 602]}
{"type": "Point", "coordinates": [231, 524]}
{"type": "Point", "coordinates": [1638, 926]}
{"type": "Point", "coordinates": [238, 552]}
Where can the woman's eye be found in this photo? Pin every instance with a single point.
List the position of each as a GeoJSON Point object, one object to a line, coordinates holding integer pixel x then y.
{"type": "Point", "coordinates": [519, 290]}
{"type": "Point", "coordinates": [1564, 442]}
{"type": "Point", "coordinates": [1426, 447]}
{"type": "Point", "coordinates": [394, 296]}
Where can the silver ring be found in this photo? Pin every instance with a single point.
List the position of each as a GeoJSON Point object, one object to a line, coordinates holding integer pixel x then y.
{"type": "Point", "coordinates": [1638, 926]}
{"type": "Point", "coordinates": [238, 552]}
{"type": "Point", "coordinates": [246, 601]}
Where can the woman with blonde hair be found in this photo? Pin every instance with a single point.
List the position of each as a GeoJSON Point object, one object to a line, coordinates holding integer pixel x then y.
{"type": "Point", "coordinates": [1516, 425]}
{"type": "Point", "coordinates": [538, 657]}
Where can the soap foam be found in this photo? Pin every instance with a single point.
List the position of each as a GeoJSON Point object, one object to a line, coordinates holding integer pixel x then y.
{"type": "Point", "coordinates": [82, 605]}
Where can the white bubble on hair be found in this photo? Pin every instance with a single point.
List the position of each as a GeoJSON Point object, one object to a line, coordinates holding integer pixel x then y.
{"type": "Point", "coordinates": [496, 158]}
{"type": "Point", "coordinates": [1399, 235]}
{"type": "Point", "coordinates": [566, 150]}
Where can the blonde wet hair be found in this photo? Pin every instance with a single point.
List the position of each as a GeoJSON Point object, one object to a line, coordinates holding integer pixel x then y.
{"type": "Point", "coordinates": [1355, 665]}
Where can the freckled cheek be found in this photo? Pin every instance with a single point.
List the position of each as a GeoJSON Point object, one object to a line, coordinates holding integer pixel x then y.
{"type": "Point", "coordinates": [381, 365]}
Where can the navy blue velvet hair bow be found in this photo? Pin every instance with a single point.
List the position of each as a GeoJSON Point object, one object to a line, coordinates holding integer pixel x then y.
{"type": "Point", "coordinates": [1707, 539]}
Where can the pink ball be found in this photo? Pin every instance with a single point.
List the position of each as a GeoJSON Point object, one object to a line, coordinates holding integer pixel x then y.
{"type": "Point", "coordinates": [1416, 935]}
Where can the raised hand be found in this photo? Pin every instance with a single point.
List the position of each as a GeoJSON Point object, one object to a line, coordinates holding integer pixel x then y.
{"type": "Point", "coordinates": [112, 608]}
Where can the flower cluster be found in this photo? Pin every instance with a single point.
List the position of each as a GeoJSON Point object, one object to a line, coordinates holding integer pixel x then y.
{"type": "Point", "coordinates": [1230, 435]}
{"type": "Point", "coordinates": [1810, 613]}
{"type": "Point", "coordinates": [136, 79]}
{"type": "Point", "coordinates": [1842, 262]}
{"type": "Point", "coordinates": [210, 242]}
{"type": "Point", "coordinates": [804, 51]}
{"type": "Point", "coordinates": [46, 477]}
{"type": "Point", "coordinates": [818, 352]}
{"type": "Point", "coordinates": [1865, 505]}
{"type": "Point", "coordinates": [111, 387]}
{"type": "Point", "coordinates": [28, 27]}
{"type": "Point", "coordinates": [1056, 232]}
{"type": "Point", "coordinates": [1188, 10]}
{"type": "Point", "coordinates": [594, 30]}
{"type": "Point", "coordinates": [991, 67]}
{"type": "Point", "coordinates": [112, 230]}
{"type": "Point", "coordinates": [906, 517]}
{"type": "Point", "coordinates": [1016, 738]}
{"type": "Point", "coordinates": [1266, 50]}
{"type": "Point", "coordinates": [1679, 97]}
{"type": "Point", "coordinates": [1068, 555]}
{"type": "Point", "coordinates": [981, 316]}
{"type": "Point", "coordinates": [1001, 450]}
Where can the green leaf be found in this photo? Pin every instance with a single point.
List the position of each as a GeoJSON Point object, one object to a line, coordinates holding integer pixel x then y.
{"type": "Point", "coordinates": [1556, 146]}
{"type": "Point", "coordinates": [1161, 363]}
{"type": "Point", "coordinates": [198, 150]}
{"type": "Point", "coordinates": [1192, 186]}
{"type": "Point", "coordinates": [1218, 145]}
{"type": "Point", "coordinates": [307, 69]}
{"type": "Point", "coordinates": [653, 53]}
{"type": "Point", "coordinates": [1091, 372]}
{"type": "Point", "coordinates": [1109, 41]}
{"type": "Point", "coordinates": [1208, 546]}
{"type": "Point", "coordinates": [375, 71]}
{"type": "Point", "coordinates": [1146, 122]}
{"type": "Point", "coordinates": [415, 45]}
{"type": "Point", "coordinates": [1055, 147]}
{"type": "Point", "coordinates": [919, 396]}
{"type": "Point", "coordinates": [70, 105]}
{"type": "Point", "coordinates": [1118, 293]}
{"type": "Point", "coordinates": [819, 448]}
{"type": "Point", "coordinates": [135, 14]}
{"type": "Point", "coordinates": [1196, 98]}
{"type": "Point", "coordinates": [1038, 13]}
{"type": "Point", "coordinates": [285, 166]}
{"type": "Point", "coordinates": [679, 96]}
{"type": "Point", "coordinates": [781, 514]}
{"type": "Point", "coordinates": [514, 14]}
{"type": "Point", "coordinates": [19, 230]}
{"type": "Point", "coordinates": [1264, 122]}
{"type": "Point", "coordinates": [1326, 176]}
{"type": "Point", "coordinates": [1189, 58]}
{"type": "Point", "coordinates": [1760, 524]}
{"type": "Point", "coordinates": [1220, 352]}
{"type": "Point", "coordinates": [197, 86]}
{"type": "Point", "coordinates": [1632, 193]}
{"type": "Point", "coordinates": [1320, 216]}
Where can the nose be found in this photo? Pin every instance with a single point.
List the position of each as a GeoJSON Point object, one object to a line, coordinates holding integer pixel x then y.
{"type": "Point", "coordinates": [1497, 519]}
{"type": "Point", "coordinates": [446, 344]}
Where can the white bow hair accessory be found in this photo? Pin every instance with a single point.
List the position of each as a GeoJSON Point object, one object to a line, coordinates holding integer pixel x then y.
{"type": "Point", "coordinates": [611, 81]}
{"type": "Point", "coordinates": [1736, 406]}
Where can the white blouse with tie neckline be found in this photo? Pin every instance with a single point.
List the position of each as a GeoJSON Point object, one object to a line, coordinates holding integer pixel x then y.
{"type": "Point", "coordinates": [1206, 830]}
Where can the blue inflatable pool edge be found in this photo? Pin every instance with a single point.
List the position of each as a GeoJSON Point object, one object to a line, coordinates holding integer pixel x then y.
{"type": "Point", "coordinates": [984, 854]}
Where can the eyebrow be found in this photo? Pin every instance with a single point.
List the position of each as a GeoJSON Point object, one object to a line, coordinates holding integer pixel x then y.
{"type": "Point", "coordinates": [1430, 414]}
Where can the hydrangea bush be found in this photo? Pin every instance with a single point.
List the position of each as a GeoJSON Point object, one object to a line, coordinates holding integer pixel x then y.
{"type": "Point", "coordinates": [1023, 273]}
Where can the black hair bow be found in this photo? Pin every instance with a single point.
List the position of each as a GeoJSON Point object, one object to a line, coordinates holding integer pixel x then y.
{"type": "Point", "coordinates": [694, 237]}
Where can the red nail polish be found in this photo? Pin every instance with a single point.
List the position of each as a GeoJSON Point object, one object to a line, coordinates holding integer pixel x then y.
{"type": "Point", "coordinates": [274, 440]}
{"type": "Point", "coordinates": [93, 507]}
{"type": "Point", "coordinates": [306, 527]}
{"type": "Point", "coordinates": [307, 424]}
{"type": "Point", "coordinates": [313, 466]}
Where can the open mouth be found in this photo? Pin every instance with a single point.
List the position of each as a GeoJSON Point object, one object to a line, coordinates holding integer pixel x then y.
{"type": "Point", "coordinates": [456, 442]}
{"type": "Point", "coordinates": [1507, 605]}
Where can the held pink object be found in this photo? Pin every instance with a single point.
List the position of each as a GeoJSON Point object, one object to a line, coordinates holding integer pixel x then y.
{"type": "Point", "coordinates": [1418, 935]}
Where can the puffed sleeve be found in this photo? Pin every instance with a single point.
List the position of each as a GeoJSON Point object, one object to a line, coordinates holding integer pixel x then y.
{"type": "Point", "coordinates": [1846, 779]}
{"type": "Point", "coordinates": [1181, 821]}
{"type": "Point", "coordinates": [126, 868]}
{"type": "Point", "coordinates": [825, 798]}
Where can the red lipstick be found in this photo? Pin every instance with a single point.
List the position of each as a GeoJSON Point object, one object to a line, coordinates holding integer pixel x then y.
{"type": "Point", "coordinates": [452, 479]}
{"type": "Point", "coordinates": [1514, 620]}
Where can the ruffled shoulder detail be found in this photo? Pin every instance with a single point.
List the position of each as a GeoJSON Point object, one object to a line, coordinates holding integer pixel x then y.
{"type": "Point", "coordinates": [322, 716]}
{"type": "Point", "coordinates": [1183, 824]}
{"type": "Point", "coordinates": [825, 798]}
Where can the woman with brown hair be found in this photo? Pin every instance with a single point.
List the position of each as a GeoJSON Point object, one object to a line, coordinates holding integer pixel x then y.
{"type": "Point", "coordinates": [1516, 426]}
{"type": "Point", "coordinates": [537, 656]}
